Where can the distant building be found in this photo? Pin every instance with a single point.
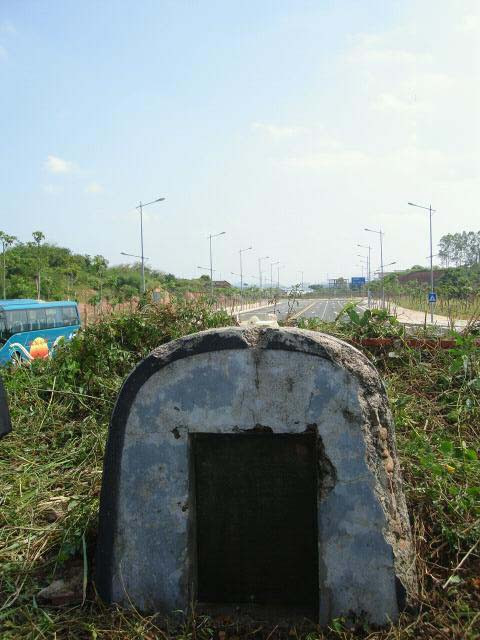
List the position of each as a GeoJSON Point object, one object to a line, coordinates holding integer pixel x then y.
{"type": "Point", "coordinates": [219, 284]}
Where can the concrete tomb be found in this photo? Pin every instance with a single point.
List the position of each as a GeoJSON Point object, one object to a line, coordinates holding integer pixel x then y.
{"type": "Point", "coordinates": [5, 423]}
{"type": "Point", "coordinates": [254, 470]}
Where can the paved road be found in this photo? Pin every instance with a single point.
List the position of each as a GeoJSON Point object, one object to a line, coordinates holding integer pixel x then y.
{"type": "Point", "coordinates": [324, 309]}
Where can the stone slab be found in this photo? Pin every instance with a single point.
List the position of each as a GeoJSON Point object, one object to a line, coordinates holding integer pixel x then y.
{"type": "Point", "coordinates": [233, 380]}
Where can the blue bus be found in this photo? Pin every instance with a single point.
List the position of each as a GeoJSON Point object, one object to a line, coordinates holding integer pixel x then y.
{"type": "Point", "coordinates": [31, 329]}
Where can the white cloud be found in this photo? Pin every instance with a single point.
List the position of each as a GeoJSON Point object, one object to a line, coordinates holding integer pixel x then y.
{"type": "Point", "coordinates": [277, 132]}
{"type": "Point", "coordinates": [54, 164]}
{"type": "Point", "coordinates": [94, 188]}
{"type": "Point", "coordinates": [7, 28]}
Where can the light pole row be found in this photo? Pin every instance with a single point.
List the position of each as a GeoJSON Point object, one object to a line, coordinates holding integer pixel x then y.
{"type": "Point", "coordinates": [211, 236]}
{"type": "Point", "coordinates": [367, 246]}
{"type": "Point", "coordinates": [380, 233]}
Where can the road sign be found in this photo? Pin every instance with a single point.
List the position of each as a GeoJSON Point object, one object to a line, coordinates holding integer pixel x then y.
{"type": "Point", "coordinates": [432, 296]}
{"type": "Point", "coordinates": [357, 282]}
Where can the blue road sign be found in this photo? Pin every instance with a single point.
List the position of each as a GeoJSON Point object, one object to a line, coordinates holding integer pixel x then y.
{"type": "Point", "coordinates": [358, 282]}
{"type": "Point", "coordinates": [432, 296]}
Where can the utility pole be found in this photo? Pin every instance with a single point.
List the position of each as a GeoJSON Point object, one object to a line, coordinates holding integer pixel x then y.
{"type": "Point", "coordinates": [241, 275]}
{"type": "Point", "coordinates": [38, 236]}
{"type": "Point", "coordinates": [272, 264]}
{"type": "Point", "coordinates": [381, 234]}
{"type": "Point", "coordinates": [215, 235]}
{"type": "Point", "coordinates": [260, 270]}
{"type": "Point", "coordinates": [140, 208]}
{"type": "Point", "coordinates": [367, 246]}
{"type": "Point", "coordinates": [432, 290]}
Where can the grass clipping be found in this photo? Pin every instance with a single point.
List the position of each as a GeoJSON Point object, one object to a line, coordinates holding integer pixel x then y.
{"type": "Point", "coordinates": [51, 465]}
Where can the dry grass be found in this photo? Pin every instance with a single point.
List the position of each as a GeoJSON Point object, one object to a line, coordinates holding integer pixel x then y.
{"type": "Point", "coordinates": [50, 475]}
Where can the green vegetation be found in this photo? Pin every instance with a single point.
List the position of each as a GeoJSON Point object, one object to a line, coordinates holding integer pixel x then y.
{"type": "Point", "coordinates": [457, 285]}
{"type": "Point", "coordinates": [460, 248]}
{"type": "Point", "coordinates": [64, 275]}
{"type": "Point", "coordinates": [51, 465]}
{"type": "Point", "coordinates": [457, 292]}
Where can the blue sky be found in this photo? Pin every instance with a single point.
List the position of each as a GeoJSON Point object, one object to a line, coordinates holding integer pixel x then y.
{"type": "Point", "coordinates": [289, 125]}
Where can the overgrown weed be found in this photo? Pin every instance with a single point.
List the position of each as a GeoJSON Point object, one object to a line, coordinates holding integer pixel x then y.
{"type": "Point", "coordinates": [50, 475]}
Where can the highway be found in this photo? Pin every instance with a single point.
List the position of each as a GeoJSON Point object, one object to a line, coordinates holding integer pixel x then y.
{"type": "Point", "coordinates": [323, 309]}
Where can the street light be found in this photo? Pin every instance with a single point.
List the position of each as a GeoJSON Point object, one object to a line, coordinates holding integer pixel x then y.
{"type": "Point", "coordinates": [241, 274]}
{"type": "Point", "coordinates": [272, 264]}
{"type": "Point", "coordinates": [241, 267]}
{"type": "Point", "coordinates": [142, 257]}
{"type": "Point", "coordinates": [280, 266]}
{"type": "Point", "coordinates": [260, 269]}
{"type": "Point", "coordinates": [215, 235]}
{"type": "Point", "coordinates": [389, 264]}
{"type": "Point", "coordinates": [367, 246]}
{"type": "Point", "coordinates": [363, 261]}
{"type": "Point", "coordinates": [238, 275]}
{"type": "Point", "coordinates": [132, 255]}
{"type": "Point", "coordinates": [381, 234]}
{"type": "Point", "coordinates": [206, 269]}
{"type": "Point", "coordinates": [430, 210]}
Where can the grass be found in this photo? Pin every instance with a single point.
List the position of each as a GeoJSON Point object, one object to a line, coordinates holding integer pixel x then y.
{"type": "Point", "coordinates": [455, 308]}
{"type": "Point", "coordinates": [51, 465]}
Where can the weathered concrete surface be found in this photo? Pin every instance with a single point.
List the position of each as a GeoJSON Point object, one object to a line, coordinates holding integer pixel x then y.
{"type": "Point", "coordinates": [227, 381]}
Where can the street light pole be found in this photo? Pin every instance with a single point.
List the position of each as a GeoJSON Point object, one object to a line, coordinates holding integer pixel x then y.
{"type": "Point", "coordinates": [260, 269]}
{"type": "Point", "coordinates": [241, 274]}
{"type": "Point", "coordinates": [367, 246]}
{"type": "Point", "coordinates": [133, 255]}
{"type": "Point", "coordinates": [215, 235]}
{"type": "Point", "coordinates": [140, 208]}
{"type": "Point", "coordinates": [430, 211]}
{"type": "Point", "coordinates": [381, 234]}
{"type": "Point", "coordinates": [272, 264]}
{"type": "Point", "coordinates": [280, 266]}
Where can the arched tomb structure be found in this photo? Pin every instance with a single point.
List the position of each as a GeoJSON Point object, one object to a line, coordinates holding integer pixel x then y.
{"type": "Point", "coordinates": [255, 470]}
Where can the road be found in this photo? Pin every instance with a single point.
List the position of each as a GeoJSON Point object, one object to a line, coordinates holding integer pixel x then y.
{"type": "Point", "coordinates": [323, 309]}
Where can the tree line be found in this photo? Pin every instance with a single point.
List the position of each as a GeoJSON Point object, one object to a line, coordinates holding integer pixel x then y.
{"type": "Point", "coordinates": [457, 249]}
{"type": "Point", "coordinates": [38, 269]}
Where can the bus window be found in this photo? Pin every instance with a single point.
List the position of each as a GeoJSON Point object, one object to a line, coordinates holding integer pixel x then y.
{"type": "Point", "coordinates": [3, 329]}
{"type": "Point", "coordinates": [37, 319]}
{"type": "Point", "coordinates": [70, 316]}
{"type": "Point", "coordinates": [16, 321]}
{"type": "Point", "coordinates": [53, 318]}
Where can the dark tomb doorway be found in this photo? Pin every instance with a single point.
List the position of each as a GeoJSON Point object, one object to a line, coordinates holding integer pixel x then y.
{"type": "Point", "coordinates": [256, 521]}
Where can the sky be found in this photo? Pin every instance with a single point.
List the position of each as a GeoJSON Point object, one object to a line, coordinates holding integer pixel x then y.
{"type": "Point", "coordinates": [289, 124]}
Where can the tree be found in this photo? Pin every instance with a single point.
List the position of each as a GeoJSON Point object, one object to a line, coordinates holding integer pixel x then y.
{"type": "Point", "coordinates": [38, 238]}
{"type": "Point", "coordinates": [6, 241]}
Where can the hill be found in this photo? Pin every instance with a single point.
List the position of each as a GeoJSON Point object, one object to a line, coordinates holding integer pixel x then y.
{"type": "Point", "coordinates": [66, 275]}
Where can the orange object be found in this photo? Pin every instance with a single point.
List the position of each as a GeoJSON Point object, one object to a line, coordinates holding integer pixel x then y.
{"type": "Point", "coordinates": [39, 348]}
